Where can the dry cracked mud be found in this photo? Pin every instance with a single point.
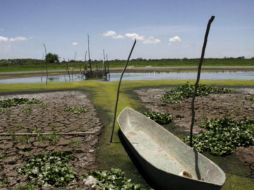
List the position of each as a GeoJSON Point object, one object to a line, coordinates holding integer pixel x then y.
{"type": "Point", "coordinates": [49, 116]}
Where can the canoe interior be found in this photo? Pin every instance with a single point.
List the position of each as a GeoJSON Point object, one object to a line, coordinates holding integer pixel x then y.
{"type": "Point", "coordinates": [165, 151]}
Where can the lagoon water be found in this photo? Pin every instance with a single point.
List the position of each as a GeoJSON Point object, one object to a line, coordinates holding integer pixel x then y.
{"type": "Point", "coordinates": [239, 75]}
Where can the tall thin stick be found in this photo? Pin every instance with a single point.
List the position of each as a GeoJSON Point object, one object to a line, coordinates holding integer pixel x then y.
{"type": "Point", "coordinates": [85, 66]}
{"type": "Point", "coordinates": [46, 64]}
{"type": "Point", "coordinates": [89, 55]}
{"type": "Point", "coordinates": [104, 65]}
{"type": "Point", "coordinates": [118, 90]}
{"type": "Point", "coordinates": [198, 78]}
{"type": "Point", "coordinates": [108, 67]}
{"type": "Point", "coordinates": [68, 70]}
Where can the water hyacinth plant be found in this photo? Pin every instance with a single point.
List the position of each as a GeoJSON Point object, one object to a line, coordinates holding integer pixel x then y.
{"type": "Point", "coordinates": [250, 98]}
{"type": "Point", "coordinates": [223, 136]}
{"type": "Point", "coordinates": [177, 94]}
{"type": "Point", "coordinates": [75, 109]}
{"type": "Point", "coordinates": [161, 118]}
{"type": "Point", "coordinates": [114, 179]}
{"type": "Point", "coordinates": [49, 169]}
{"type": "Point", "coordinates": [17, 101]}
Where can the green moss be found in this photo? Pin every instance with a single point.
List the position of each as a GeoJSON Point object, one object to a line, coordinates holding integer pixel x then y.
{"type": "Point", "coordinates": [235, 182]}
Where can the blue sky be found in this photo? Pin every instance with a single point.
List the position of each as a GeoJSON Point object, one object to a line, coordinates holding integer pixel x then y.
{"type": "Point", "coordinates": [164, 28]}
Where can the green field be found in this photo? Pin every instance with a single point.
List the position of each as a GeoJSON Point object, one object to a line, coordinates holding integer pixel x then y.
{"type": "Point", "coordinates": [16, 65]}
{"type": "Point", "coordinates": [102, 95]}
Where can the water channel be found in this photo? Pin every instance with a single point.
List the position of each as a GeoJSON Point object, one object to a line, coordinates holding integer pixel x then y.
{"type": "Point", "coordinates": [226, 75]}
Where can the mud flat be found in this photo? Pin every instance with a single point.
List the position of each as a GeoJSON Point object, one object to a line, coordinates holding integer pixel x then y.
{"type": "Point", "coordinates": [50, 116]}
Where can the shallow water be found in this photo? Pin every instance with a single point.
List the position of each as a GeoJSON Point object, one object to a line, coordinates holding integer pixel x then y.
{"type": "Point", "coordinates": [241, 75]}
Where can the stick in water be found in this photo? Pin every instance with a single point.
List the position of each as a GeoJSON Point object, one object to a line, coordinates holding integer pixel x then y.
{"type": "Point", "coordinates": [46, 64]}
{"type": "Point", "coordinates": [198, 78]}
{"type": "Point", "coordinates": [118, 90]}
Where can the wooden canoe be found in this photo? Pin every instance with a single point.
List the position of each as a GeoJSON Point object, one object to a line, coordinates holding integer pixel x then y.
{"type": "Point", "coordinates": [169, 163]}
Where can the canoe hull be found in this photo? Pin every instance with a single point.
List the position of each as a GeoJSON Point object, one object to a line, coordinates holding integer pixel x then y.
{"type": "Point", "coordinates": [160, 179]}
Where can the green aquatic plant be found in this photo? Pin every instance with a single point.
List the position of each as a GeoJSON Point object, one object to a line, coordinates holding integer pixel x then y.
{"type": "Point", "coordinates": [250, 98]}
{"type": "Point", "coordinates": [75, 109]}
{"type": "Point", "coordinates": [161, 118]}
{"type": "Point", "coordinates": [114, 179]}
{"type": "Point", "coordinates": [17, 101]}
{"type": "Point", "coordinates": [49, 169]}
{"type": "Point", "coordinates": [223, 136]}
{"type": "Point", "coordinates": [177, 94]}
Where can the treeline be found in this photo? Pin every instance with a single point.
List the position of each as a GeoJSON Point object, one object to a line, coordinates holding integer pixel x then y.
{"type": "Point", "coordinates": [241, 61]}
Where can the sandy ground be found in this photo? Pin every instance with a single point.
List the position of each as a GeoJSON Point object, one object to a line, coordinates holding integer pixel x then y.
{"type": "Point", "coordinates": [213, 106]}
{"type": "Point", "coordinates": [47, 117]}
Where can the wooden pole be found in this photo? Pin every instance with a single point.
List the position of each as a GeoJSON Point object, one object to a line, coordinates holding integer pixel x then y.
{"type": "Point", "coordinates": [118, 90]}
{"type": "Point", "coordinates": [88, 50]}
{"type": "Point", "coordinates": [85, 66]}
{"type": "Point", "coordinates": [198, 78]}
{"type": "Point", "coordinates": [46, 64]}
{"type": "Point", "coordinates": [108, 67]}
{"type": "Point", "coordinates": [104, 66]}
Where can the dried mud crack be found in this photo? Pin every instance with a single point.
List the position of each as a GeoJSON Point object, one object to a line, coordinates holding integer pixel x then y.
{"type": "Point", "coordinates": [51, 117]}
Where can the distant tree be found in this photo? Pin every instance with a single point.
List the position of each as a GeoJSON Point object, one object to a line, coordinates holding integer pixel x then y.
{"type": "Point", "coordinates": [241, 57]}
{"type": "Point", "coordinates": [51, 58]}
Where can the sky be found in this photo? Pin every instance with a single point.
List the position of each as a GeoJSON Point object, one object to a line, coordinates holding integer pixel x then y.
{"type": "Point", "coordinates": [163, 28]}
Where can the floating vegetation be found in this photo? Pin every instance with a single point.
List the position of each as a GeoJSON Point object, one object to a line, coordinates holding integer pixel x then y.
{"type": "Point", "coordinates": [49, 169]}
{"type": "Point", "coordinates": [161, 118]}
{"type": "Point", "coordinates": [114, 179]}
{"type": "Point", "coordinates": [223, 136]}
{"type": "Point", "coordinates": [75, 109]}
{"type": "Point", "coordinates": [250, 98]}
{"type": "Point", "coordinates": [17, 101]}
{"type": "Point", "coordinates": [176, 95]}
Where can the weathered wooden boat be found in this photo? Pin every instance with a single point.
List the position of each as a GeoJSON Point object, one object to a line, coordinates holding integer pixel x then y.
{"type": "Point", "coordinates": [169, 163]}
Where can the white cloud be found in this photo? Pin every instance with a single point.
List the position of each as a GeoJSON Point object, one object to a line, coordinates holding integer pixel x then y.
{"type": "Point", "coordinates": [135, 36]}
{"type": "Point", "coordinates": [113, 35]}
{"type": "Point", "coordinates": [118, 36]}
{"type": "Point", "coordinates": [109, 33]}
{"type": "Point", "coordinates": [14, 39]}
{"type": "Point", "coordinates": [175, 39]}
{"type": "Point", "coordinates": [3, 39]}
{"type": "Point", "coordinates": [74, 43]}
{"type": "Point", "coordinates": [132, 36]}
{"type": "Point", "coordinates": [17, 39]}
{"type": "Point", "coordinates": [151, 40]}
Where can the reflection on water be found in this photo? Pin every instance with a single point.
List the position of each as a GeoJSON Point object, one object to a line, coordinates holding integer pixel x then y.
{"type": "Point", "coordinates": [242, 75]}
